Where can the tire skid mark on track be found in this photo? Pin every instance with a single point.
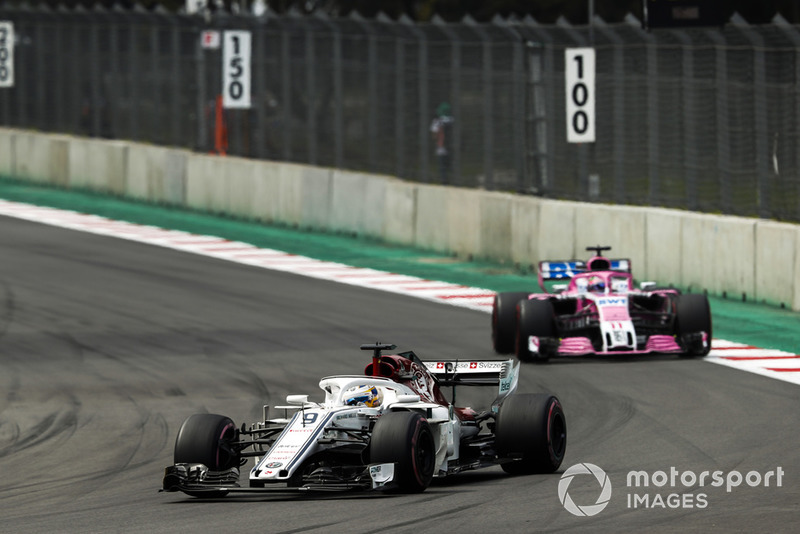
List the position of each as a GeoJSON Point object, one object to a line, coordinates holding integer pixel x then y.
{"type": "Point", "coordinates": [771, 363]}
{"type": "Point", "coordinates": [58, 420]}
{"type": "Point", "coordinates": [7, 309]}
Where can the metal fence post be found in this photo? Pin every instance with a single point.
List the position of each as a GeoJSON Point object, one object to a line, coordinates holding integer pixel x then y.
{"type": "Point", "coordinates": [41, 91]}
{"type": "Point", "coordinates": [202, 90]}
{"type": "Point", "coordinates": [759, 118]}
{"type": "Point", "coordinates": [338, 94]}
{"type": "Point", "coordinates": [399, 106]}
{"type": "Point", "coordinates": [135, 100]}
{"type": "Point", "coordinates": [114, 96]}
{"type": "Point", "coordinates": [540, 100]}
{"type": "Point", "coordinates": [791, 32]}
{"type": "Point", "coordinates": [94, 79]}
{"type": "Point", "coordinates": [311, 93]}
{"type": "Point", "coordinates": [455, 98]}
{"type": "Point", "coordinates": [258, 59]}
{"type": "Point", "coordinates": [286, 94]}
{"type": "Point", "coordinates": [519, 110]}
{"type": "Point", "coordinates": [722, 123]}
{"type": "Point", "coordinates": [152, 129]}
{"type": "Point", "coordinates": [653, 141]}
{"type": "Point", "coordinates": [488, 102]}
{"type": "Point", "coordinates": [372, 99]}
{"type": "Point", "coordinates": [617, 125]}
{"type": "Point", "coordinates": [689, 140]}
{"type": "Point", "coordinates": [424, 101]}
{"type": "Point", "coordinates": [175, 82]}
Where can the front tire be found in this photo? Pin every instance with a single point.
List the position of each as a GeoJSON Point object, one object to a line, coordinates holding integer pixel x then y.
{"type": "Point", "coordinates": [532, 431]}
{"type": "Point", "coordinates": [504, 317]}
{"type": "Point", "coordinates": [693, 317]}
{"type": "Point", "coordinates": [207, 439]}
{"type": "Point", "coordinates": [405, 438]}
{"type": "Point", "coordinates": [535, 318]}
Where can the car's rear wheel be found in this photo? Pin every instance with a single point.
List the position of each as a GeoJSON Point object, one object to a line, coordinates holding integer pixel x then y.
{"type": "Point", "coordinates": [207, 439]}
{"type": "Point", "coordinates": [534, 318]}
{"type": "Point", "coordinates": [504, 310]}
{"type": "Point", "coordinates": [531, 432]}
{"type": "Point", "coordinates": [693, 318]}
{"type": "Point", "coordinates": [405, 438]}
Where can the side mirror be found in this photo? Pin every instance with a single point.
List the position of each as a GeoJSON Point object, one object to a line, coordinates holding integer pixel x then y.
{"type": "Point", "coordinates": [647, 286]}
{"type": "Point", "coordinates": [298, 400]}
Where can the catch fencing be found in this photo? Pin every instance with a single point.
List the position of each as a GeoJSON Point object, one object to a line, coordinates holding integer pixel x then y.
{"type": "Point", "coordinates": [699, 119]}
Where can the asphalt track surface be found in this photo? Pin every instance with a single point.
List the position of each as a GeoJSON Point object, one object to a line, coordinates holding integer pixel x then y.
{"type": "Point", "coordinates": [108, 345]}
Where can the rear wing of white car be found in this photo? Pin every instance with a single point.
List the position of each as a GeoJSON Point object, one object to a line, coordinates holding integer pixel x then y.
{"type": "Point", "coordinates": [502, 373]}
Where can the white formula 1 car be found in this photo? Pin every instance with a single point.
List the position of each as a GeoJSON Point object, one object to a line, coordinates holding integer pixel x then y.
{"type": "Point", "coordinates": [389, 429]}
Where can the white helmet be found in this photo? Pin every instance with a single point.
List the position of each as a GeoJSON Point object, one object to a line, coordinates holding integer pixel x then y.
{"type": "Point", "coordinates": [364, 396]}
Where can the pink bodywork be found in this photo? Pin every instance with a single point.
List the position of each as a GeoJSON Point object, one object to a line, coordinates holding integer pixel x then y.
{"type": "Point", "coordinates": [580, 346]}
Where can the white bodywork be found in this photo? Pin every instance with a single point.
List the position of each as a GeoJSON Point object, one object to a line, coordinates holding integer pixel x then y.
{"type": "Point", "coordinates": [332, 418]}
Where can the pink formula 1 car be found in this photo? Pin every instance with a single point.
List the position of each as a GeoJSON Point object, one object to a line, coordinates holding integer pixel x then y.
{"type": "Point", "coordinates": [593, 308]}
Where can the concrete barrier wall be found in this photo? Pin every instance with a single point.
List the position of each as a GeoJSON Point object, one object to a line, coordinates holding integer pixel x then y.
{"type": "Point", "coordinates": [795, 303]}
{"type": "Point", "coordinates": [738, 257]}
{"type": "Point", "coordinates": [48, 158]}
{"type": "Point", "coordinates": [374, 206]}
{"type": "Point", "coordinates": [267, 181]}
{"type": "Point", "coordinates": [7, 153]}
{"type": "Point", "coordinates": [777, 263]}
{"type": "Point", "coordinates": [287, 200]}
{"type": "Point", "coordinates": [463, 221]}
{"type": "Point", "coordinates": [97, 164]}
{"type": "Point", "coordinates": [525, 213]}
{"type": "Point", "coordinates": [206, 187]}
{"type": "Point", "coordinates": [156, 174]}
{"type": "Point", "coordinates": [623, 230]}
{"type": "Point", "coordinates": [431, 221]}
{"type": "Point", "coordinates": [400, 213]}
{"type": "Point", "coordinates": [240, 181]}
{"type": "Point", "coordinates": [663, 235]}
{"type": "Point", "coordinates": [495, 230]}
{"type": "Point", "coordinates": [556, 236]}
{"type": "Point", "coordinates": [319, 210]}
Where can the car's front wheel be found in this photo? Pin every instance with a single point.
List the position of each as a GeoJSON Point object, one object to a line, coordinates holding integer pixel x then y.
{"type": "Point", "coordinates": [207, 439]}
{"type": "Point", "coordinates": [406, 439]}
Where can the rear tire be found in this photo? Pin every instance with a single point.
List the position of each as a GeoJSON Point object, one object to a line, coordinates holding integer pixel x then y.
{"type": "Point", "coordinates": [207, 439]}
{"type": "Point", "coordinates": [405, 438]}
{"type": "Point", "coordinates": [504, 310]}
{"type": "Point", "coordinates": [531, 429]}
{"type": "Point", "coordinates": [693, 316]}
{"type": "Point", "coordinates": [534, 318]}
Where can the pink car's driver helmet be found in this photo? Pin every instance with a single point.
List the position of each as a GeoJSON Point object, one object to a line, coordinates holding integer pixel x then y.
{"type": "Point", "coordinates": [597, 285]}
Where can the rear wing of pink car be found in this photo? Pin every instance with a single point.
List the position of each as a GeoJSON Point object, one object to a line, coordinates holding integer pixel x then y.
{"type": "Point", "coordinates": [566, 270]}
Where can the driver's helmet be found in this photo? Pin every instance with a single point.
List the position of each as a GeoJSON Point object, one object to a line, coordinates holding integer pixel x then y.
{"type": "Point", "coordinates": [364, 396]}
{"type": "Point", "coordinates": [597, 285]}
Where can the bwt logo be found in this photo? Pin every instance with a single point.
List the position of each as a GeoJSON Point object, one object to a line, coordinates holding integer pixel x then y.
{"type": "Point", "coordinates": [620, 301]}
{"type": "Point", "coordinates": [602, 499]}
